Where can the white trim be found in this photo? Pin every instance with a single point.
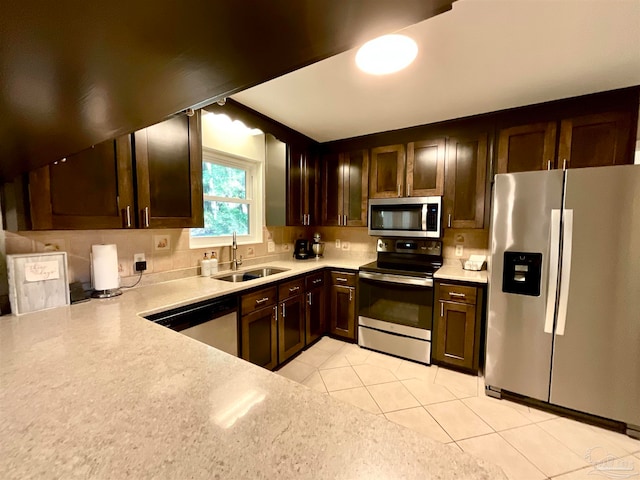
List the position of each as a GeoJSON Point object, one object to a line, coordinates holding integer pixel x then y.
{"type": "Point", "coordinates": [254, 198]}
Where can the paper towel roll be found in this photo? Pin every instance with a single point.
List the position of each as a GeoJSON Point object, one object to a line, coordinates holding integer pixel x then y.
{"type": "Point", "coordinates": [104, 267]}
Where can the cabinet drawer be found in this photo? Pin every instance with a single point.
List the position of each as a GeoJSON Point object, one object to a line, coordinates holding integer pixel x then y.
{"type": "Point", "coordinates": [260, 299]}
{"type": "Point", "coordinates": [289, 289]}
{"type": "Point", "coordinates": [458, 293]}
{"type": "Point", "coordinates": [343, 278]}
{"type": "Point", "coordinates": [314, 280]}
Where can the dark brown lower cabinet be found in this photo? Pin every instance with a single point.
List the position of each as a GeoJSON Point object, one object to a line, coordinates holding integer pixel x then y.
{"type": "Point", "coordinates": [291, 326]}
{"type": "Point", "coordinates": [457, 326]}
{"type": "Point", "coordinates": [315, 314]}
{"type": "Point", "coordinates": [343, 305]}
{"type": "Point", "coordinates": [259, 339]}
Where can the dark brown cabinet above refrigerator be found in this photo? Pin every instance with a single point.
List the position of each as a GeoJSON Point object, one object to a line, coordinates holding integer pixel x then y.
{"type": "Point", "coordinates": [591, 140]}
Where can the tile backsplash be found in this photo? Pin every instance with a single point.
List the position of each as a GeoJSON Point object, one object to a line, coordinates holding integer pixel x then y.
{"type": "Point", "coordinates": [169, 257]}
{"type": "Point", "coordinates": [167, 251]}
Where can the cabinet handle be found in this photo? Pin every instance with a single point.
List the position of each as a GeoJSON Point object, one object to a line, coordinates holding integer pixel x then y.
{"type": "Point", "coordinates": [339, 220]}
{"type": "Point", "coordinates": [548, 164]}
{"type": "Point", "coordinates": [564, 164]}
{"type": "Point", "coordinates": [308, 219]}
{"type": "Point", "coordinates": [449, 222]}
{"type": "Point", "coordinates": [146, 217]}
{"type": "Point", "coordinates": [350, 294]}
{"type": "Point", "coordinates": [128, 215]}
{"type": "Point", "coordinates": [283, 310]}
{"type": "Point", "coordinates": [275, 313]}
{"type": "Point", "coordinates": [399, 194]}
{"type": "Point", "coordinates": [442, 309]}
{"type": "Point", "coordinates": [408, 190]}
{"type": "Point", "coordinates": [294, 289]}
{"type": "Point", "coordinates": [457, 295]}
{"type": "Point", "coordinates": [340, 279]}
{"type": "Point", "coordinates": [344, 222]}
{"type": "Point", "coordinates": [262, 300]}
{"type": "Point", "coordinates": [309, 298]}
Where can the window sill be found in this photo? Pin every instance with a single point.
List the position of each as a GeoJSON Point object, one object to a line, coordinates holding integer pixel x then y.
{"type": "Point", "coordinates": [215, 242]}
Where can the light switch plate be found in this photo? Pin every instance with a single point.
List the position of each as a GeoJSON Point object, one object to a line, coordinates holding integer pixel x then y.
{"type": "Point", "coordinates": [459, 250]}
{"type": "Point", "coordinates": [138, 257]}
{"type": "Point", "coordinates": [271, 247]}
{"type": "Point", "coordinates": [337, 243]}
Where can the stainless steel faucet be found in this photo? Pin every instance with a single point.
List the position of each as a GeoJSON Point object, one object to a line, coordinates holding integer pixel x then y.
{"type": "Point", "coordinates": [235, 263]}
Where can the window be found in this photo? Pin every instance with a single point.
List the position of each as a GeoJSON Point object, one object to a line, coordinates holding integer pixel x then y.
{"type": "Point", "coordinates": [232, 189]}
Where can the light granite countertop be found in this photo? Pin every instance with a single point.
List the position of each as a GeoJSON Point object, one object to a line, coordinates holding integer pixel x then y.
{"type": "Point", "coordinates": [454, 271]}
{"type": "Point", "coordinates": [95, 391]}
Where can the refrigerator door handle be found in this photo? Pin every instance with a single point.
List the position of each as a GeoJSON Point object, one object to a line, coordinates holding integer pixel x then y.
{"type": "Point", "coordinates": [552, 282]}
{"type": "Point", "coordinates": [567, 242]}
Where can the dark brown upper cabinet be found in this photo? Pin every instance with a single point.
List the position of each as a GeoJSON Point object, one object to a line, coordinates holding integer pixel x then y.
{"type": "Point", "coordinates": [302, 182]}
{"type": "Point", "coordinates": [465, 179]}
{"type": "Point", "coordinates": [527, 148]}
{"type": "Point", "coordinates": [417, 173]}
{"type": "Point", "coordinates": [387, 172]}
{"type": "Point", "coordinates": [95, 188]}
{"type": "Point", "coordinates": [593, 140]}
{"type": "Point", "coordinates": [169, 173]}
{"type": "Point", "coordinates": [345, 188]}
{"type": "Point", "coordinates": [425, 168]}
{"type": "Point", "coordinates": [596, 140]}
{"type": "Point", "coordinates": [92, 189]}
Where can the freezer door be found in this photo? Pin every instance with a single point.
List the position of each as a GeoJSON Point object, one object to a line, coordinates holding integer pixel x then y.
{"type": "Point", "coordinates": [596, 360]}
{"type": "Point", "coordinates": [518, 356]}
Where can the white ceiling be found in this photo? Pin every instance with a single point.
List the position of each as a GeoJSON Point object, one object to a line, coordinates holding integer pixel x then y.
{"type": "Point", "coordinates": [482, 56]}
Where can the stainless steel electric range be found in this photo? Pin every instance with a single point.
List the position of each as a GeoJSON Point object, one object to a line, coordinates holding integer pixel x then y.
{"type": "Point", "coordinates": [395, 311]}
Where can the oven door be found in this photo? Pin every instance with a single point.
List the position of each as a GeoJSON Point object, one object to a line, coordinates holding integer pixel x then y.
{"type": "Point", "coordinates": [396, 303]}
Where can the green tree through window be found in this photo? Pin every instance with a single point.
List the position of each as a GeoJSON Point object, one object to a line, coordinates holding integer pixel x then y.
{"type": "Point", "coordinates": [226, 208]}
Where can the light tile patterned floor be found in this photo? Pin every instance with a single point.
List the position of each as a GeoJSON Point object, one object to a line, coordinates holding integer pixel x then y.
{"type": "Point", "coordinates": [451, 407]}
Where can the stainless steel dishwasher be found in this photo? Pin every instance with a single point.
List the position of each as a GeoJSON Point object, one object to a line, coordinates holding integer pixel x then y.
{"type": "Point", "coordinates": [214, 322]}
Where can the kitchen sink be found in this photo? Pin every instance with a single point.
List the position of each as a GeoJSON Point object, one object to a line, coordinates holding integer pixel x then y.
{"type": "Point", "coordinates": [251, 274]}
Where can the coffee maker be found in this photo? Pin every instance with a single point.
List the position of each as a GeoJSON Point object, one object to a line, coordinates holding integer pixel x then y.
{"type": "Point", "coordinates": [301, 250]}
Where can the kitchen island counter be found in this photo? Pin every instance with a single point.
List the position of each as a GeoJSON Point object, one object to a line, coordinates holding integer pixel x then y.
{"type": "Point", "coordinates": [95, 391]}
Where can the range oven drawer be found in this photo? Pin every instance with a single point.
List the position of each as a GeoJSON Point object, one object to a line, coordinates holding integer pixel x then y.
{"type": "Point", "coordinates": [404, 347]}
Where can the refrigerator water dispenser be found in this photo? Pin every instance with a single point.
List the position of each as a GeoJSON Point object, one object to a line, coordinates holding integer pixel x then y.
{"type": "Point", "coordinates": [521, 273]}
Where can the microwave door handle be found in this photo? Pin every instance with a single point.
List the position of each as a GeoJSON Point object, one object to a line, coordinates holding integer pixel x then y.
{"type": "Point", "coordinates": [424, 217]}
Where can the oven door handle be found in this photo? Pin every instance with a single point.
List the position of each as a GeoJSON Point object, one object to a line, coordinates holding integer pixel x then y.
{"type": "Point", "coordinates": [402, 279]}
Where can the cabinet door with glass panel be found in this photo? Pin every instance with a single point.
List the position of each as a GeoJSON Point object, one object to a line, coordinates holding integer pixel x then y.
{"type": "Point", "coordinates": [232, 191]}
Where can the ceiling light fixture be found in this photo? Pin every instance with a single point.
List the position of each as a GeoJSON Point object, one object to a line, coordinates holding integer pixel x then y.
{"type": "Point", "coordinates": [386, 54]}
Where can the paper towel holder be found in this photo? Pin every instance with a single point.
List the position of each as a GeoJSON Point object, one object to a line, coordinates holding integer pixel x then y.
{"type": "Point", "coordinates": [104, 259]}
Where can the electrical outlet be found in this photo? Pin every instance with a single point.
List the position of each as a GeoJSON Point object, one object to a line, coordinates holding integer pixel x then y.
{"type": "Point", "coordinates": [286, 247]}
{"type": "Point", "coordinates": [459, 250]}
{"type": "Point", "coordinates": [250, 252]}
{"type": "Point", "coordinates": [338, 243]}
{"type": "Point", "coordinates": [346, 245]}
{"type": "Point", "coordinates": [271, 247]}
{"type": "Point", "coordinates": [139, 262]}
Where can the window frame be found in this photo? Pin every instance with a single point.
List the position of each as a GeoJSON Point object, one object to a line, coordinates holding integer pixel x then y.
{"type": "Point", "coordinates": [254, 198]}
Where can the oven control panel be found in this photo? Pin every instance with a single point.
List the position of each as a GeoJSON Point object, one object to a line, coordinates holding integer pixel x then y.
{"type": "Point", "coordinates": [416, 247]}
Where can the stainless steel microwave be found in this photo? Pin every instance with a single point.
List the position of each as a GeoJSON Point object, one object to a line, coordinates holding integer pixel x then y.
{"type": "Point", "coordinates": [419, 217]}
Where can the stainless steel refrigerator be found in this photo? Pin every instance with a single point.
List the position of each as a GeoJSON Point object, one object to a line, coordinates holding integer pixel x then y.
{"type": "Point", "coordinates": [564, 295]}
